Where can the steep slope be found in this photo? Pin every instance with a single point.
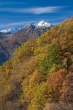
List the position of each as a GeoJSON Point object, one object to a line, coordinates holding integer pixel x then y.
{"type": "Point", "coordinates": [40, 74]}
{"type": "Point", "coordinates": [11, 42]}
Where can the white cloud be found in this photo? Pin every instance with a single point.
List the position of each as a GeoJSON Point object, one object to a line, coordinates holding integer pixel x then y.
{"type": "Point", "coordinates": [38, 10]}
{"type": "Point", "coordinates": [41, 10]}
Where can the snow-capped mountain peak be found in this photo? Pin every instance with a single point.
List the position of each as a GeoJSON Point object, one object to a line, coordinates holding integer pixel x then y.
{"type": "Point", "coordinates": [15, 28]}
{"type": "Point", "coordinates": [5, 31]}
{"type": "Point", "coordinates": [43, 24]}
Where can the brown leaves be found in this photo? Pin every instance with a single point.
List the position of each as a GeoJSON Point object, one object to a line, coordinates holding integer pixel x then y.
{"type": "Point", "coordinates": [55, 81]}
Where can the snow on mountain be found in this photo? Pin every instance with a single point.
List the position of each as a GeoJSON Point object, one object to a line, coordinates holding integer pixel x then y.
{"type": "Point", "coordinates": [43, 24]}
{"type": "Point", "coordinates": [5, 31]}
{"type": "Point", "coordinates": [15, 28]}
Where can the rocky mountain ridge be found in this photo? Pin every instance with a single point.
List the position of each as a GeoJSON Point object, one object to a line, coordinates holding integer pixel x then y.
{"type": "Point", "coordinates": [9, 42]}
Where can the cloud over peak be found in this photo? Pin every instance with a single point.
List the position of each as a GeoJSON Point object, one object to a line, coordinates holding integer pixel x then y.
{"type": "Point", "coordinates": [37, 10]}
{"type": "Point", "coordinates": [40, 10]}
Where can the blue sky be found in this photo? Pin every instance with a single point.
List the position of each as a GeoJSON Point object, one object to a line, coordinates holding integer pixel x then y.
{"type": "Point", "coordinates": [14, 12]}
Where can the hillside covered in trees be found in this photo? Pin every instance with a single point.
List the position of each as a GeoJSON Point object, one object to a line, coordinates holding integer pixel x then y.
{"type": "Point", "coordinates": [40, 74]}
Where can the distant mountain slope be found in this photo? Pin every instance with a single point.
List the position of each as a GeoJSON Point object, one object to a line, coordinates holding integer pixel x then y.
{"type": "Point", "coordinates": [10, 42]}
{"type": "Point", "coordinates": [40, 74]}
{"type": "Point", "coordinates": [4, 34]}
